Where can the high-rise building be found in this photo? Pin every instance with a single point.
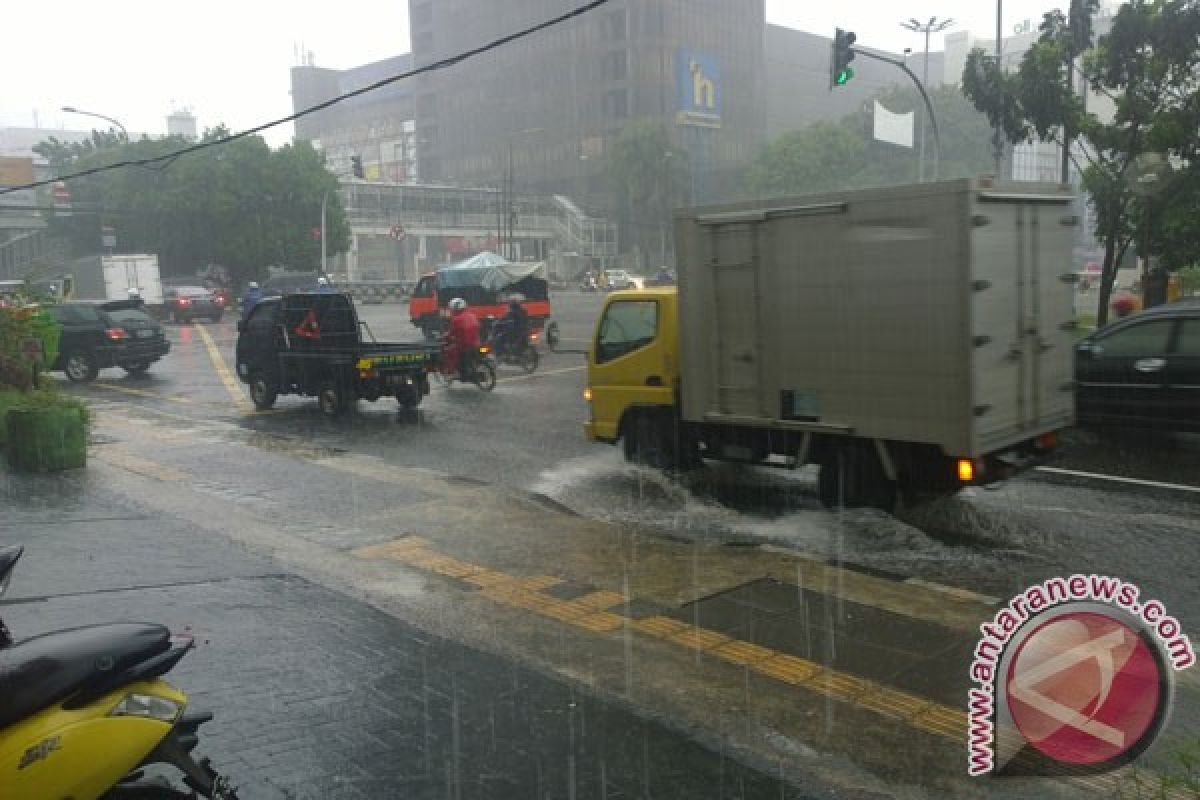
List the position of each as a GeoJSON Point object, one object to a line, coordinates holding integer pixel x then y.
{"type": "Point", "coordinates": [561, 97]}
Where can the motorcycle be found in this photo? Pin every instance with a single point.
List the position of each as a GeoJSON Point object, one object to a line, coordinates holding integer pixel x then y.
{"type": "Point", "coordinates": [523, 355]}
{"type": "Point", "coordinates": [85, 711]}
{"type": "Point", "coordinates": [482, 370]}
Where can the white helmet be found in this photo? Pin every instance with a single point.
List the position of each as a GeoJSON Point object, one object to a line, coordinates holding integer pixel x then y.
{"type": "Point", "coordinates": [458, 304]}
{"type": "Point", "coordinates": [252, 285]}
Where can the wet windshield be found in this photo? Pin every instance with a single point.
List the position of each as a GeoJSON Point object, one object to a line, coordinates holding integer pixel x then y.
{"type": "Point", "coordinates": [601, 398]}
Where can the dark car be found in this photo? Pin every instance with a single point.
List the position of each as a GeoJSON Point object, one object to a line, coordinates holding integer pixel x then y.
{"type": "Point", "coordinates": [186, 303]}
{"type": "Point", "coordinates": [118, 334]}
{"type": "Point", "coordinates": [1143, 371]}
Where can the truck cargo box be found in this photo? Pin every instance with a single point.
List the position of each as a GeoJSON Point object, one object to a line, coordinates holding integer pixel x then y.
{"type": "Point", "coordinates": [937, 313]}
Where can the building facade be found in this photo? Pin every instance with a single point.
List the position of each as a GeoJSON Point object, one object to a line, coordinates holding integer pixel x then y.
{"type": "Point", "coordinates": [377, 127]}
{"type": "Point", "coordinates": [797, 80]}
{"type": "Point", "coordinates": [559, 99]}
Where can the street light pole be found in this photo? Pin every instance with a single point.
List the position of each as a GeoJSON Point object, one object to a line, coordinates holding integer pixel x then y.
{"type": "Point", "coordinates": [73, 110]}
{"type": "Point", "coordinates": [324, 256]}
{"type": "Point", "coordinates": [934, 25]}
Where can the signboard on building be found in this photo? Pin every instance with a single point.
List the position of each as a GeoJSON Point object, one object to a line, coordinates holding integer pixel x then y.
{"type": "Point", "coordinates": [698, 89]}
{"type": "Point", "coordinates": [15, 171]}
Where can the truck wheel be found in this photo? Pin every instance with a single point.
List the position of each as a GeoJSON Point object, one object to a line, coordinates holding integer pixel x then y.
{"type": "Point", "coordinates": [650, 440]}
{"type": "Point", "coordinates": [331, 399]}
{"type": "Point", "coordinates": [80, 366]}
{"type": "Point", "coordinates": [853, 477]}
{"type": "Point", "coordinates": [263, 393]}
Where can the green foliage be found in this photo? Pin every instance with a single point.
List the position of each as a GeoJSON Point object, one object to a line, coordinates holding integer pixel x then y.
{"type": "Point", "coordinates": [1144, 68]}
{"type": "Point", "coordinates": [240, 204]}
{"type": "Point", "coordinates": [1189, 279]}
{"type": "Point", "coordinates": [648, 174]}
{"type": "Point", "coordinates": [826, 156]}
{"type": "Point", "coordinates": [45, 397]}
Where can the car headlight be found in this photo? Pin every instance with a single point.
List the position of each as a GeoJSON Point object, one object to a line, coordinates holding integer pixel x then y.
{"type": "Point", "coordinates": [148, 706]}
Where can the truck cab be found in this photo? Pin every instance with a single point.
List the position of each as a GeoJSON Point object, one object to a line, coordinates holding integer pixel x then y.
{"type": "Point", "coordinates": [632, 367]}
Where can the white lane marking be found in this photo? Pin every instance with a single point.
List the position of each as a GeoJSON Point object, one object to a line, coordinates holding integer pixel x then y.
{"type": "Point", "coordinates": [1179, 487]}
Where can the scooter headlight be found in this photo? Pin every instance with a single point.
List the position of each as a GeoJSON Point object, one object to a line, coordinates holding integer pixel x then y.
{"type": "Point", "coordinates": [148, 706]}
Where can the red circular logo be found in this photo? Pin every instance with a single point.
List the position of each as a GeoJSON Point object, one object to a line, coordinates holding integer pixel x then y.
{"type": "Point", "coordinates": [1084, 688]}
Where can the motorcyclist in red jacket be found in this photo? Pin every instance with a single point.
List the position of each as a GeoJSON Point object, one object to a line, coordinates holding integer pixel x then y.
{"type": "Point", "coordinates": [462, 341]}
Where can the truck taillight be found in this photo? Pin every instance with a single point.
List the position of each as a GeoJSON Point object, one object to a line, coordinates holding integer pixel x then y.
{"type": "Point", "coordinates": [116, 334]}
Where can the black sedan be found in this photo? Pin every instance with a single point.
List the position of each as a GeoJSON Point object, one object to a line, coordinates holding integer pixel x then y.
{"type": "Point", "coordinates": [116, 334]}
{"type": "Point", "coordinates": [1142, 371]}
{"type": "Point", "coordinates": [186, 303]}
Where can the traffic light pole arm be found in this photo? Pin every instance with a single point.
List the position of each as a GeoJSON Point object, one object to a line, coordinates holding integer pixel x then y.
{"type": "Point", "coordinates": [937, 137]}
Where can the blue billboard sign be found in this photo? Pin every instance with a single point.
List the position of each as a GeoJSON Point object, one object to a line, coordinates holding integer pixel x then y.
{"type": "Point", "coordinates": [698, 89]}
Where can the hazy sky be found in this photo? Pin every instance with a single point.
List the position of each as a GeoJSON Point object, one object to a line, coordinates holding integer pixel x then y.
{"type": "Point", "coordinates": [228, 61]}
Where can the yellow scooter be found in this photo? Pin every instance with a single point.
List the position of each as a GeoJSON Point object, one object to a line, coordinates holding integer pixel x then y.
{"type": "Point", "coordinates": [85, 714]}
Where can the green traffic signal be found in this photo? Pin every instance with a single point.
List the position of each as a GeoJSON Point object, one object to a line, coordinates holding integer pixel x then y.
{"type": "Point", "coordinates": [840, 56]}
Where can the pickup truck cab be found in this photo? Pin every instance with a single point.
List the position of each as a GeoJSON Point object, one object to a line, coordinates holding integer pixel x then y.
{"type": "Point", "coordinates": [311, 344]}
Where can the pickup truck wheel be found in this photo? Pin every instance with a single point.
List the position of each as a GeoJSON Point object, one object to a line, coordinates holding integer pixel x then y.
{"type": "Point", "coordinates": [408, 396]}
{"type": "Point", "coordinates": [263, 393]}
{"type": "Point", "coordinates": [331, 400]}
{"type": "Point", "coordinates": [80, 366]}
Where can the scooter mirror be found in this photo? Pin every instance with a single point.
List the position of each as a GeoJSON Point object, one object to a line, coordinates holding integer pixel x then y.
{"type": "Point", "coordinates": [8, 560]}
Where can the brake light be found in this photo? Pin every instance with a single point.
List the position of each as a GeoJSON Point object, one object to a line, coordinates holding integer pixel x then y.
{"type": "Point", "coordinates": [485, 349]}
{"type": "Point", "coordinates": [220, 300]}
{"type": "Point", "coordinates": [966, 470]}
{"type": "Point", "coordinates": [183, 301]}
{"type": "Point", "coordinates": [533, 337]}
{"type": "Point", "coordinates": [116, 334]}
{"type": "Point", "coordinates": [1047, 441]}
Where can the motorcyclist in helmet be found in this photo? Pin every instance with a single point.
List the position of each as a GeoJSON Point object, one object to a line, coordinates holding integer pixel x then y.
{"type": "Point", "coordinates": [462, 341]}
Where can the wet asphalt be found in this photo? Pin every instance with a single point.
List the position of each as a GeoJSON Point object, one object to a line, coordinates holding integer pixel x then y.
{"type": "Point", "coordinates": [526, 439]}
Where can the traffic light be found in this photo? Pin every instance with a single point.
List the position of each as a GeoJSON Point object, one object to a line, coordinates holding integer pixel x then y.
{"type": "Point", "coordinates": [356, 166]}
{"type": "Point", "coordinates": [840, 71]}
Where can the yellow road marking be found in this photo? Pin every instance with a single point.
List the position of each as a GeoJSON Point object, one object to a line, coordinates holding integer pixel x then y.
{"type": "Point", "coordinates": [231, 383]}
{"type": "Point", "coordinates": [140, 466]}
{"type": "Point", "coordinates": [174, 398]}
{"type": "Point", "coordinates": [587, 612]}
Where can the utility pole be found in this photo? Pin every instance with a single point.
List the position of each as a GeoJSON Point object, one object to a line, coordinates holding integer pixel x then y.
{"type": "Point", "coordinates": [997, 134]}
{"type": "Point", "coordinates": [934, 25]}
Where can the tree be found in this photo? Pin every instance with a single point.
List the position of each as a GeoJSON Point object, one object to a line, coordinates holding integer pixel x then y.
{"type": "Point", "coordinates": [240, 204]}
{"type": "Point", "coordinates": [1145, 68]}
{"type": "Point", "coordinates": [648, 175]}
{"type": "Point", "coordinates": [826, 156]}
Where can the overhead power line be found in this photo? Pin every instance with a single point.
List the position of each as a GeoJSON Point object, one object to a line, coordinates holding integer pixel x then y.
{"type": "Point", "coordinates": [433, 67]}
